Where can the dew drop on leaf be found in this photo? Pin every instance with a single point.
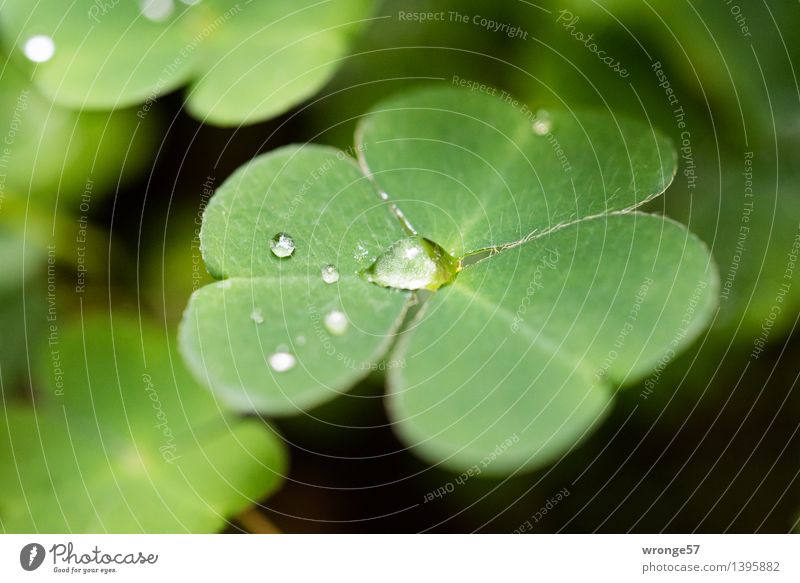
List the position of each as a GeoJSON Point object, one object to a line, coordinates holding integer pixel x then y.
{"type": "Point", "coordinates": [282, 361]}
{"type": "Point", "coordinates": [257, 316]}
{"type": "Point", "coordinates": [413, 263]}
{"type": "Point", "coordinates": [330, 274]}
{"type": "Point", "coordinates": [336, 322]}
{"type": "Point", "coordinates": [282, 245]}
{"type": "Point", "coordinates": [39, 48]}
{"type": "Point", "coordinates": [542, 123]}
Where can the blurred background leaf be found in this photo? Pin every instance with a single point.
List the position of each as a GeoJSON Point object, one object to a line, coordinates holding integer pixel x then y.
{"type": "Point", "coordinates": [245, 61]}
{"type": "Point", "coordinates": [121, 440]}
{"type": "Point", "coordinates": [52, 155]}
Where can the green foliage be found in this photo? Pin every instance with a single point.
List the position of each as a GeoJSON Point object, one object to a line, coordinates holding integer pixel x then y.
{"type": "Point", "coordinates": [720, 80]}
{"type": "Point", "coordinates": [522, 352]}
{"type": "Point", "coordinates": [23, 260]}
{"type": "Point", "coordinates": [55, 164]}
{"type": "Point", "coordinates": [121, 439]}
{"type": "Point", "coordinates": [244, 62]}
{"type": "Point", "coordinates": [473, 174]}
{"type": "Point", "coordinates": [531, 344]}
{"type": "Point", "coordinates": [52, 155]}
{"type": "Point", "coordinates": [173, 268]}
{"type": "Point", "coordinates": [231, 328]}
{"type": "Point", "coordinates": [21, 301]}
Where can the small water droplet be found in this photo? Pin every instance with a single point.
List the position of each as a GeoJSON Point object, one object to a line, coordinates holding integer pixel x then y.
{"type": "Point", "coordinates": [157, 10]}
{"type": "Point", "coordinates": [256, 316]}
{"type": "Point", "coordinates": [39, 48]}
{"type": "Point", "coordinates": [542, 123]}
{"type": "Point", "coordinates": [282, 361]}
{"type": "Point", "coordinates": [282, 245]}
{"type": "Point", "coordinates": [330, 274]}
{"type": "Point", "coordinates": [300, 340]}
{"type": "Point", "coordinates": [336, 322]}
{"type": "Point", "coordinates": [361, 253]}
{"type": "Point", "coordinates": [225, 284]}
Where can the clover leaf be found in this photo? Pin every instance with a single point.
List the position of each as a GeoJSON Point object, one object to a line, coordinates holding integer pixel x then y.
{"type": "Point", "coordinates": [483, 173]}
{"type": "Point", "coordinates": [718, 115]}
{"type": "Point", "coordinates": [52, 153]}
{"type": "Point", "coordinates": [244, 61]}
{"type": "Point", "coordinates": [123, 440]}
{"type": "Point", "coordinates": [276, 308]}
{"type": "Point", "coordinates": [550, 292]}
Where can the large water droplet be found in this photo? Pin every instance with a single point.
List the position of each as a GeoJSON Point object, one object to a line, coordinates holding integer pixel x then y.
{"type": "Point", "coordinates": [336, 322]}
{"type": "Point", "coordinates": [257, 316]}
{"type": "Point", "coordinates": [282, 361]}
{"type": "Point", "coordinates": [330, 274]}
{"type": "Point", "coordinates": [282, 245]}
{"type": "Point", "coordinates": [39, 48]}
{"type": "Point", "coordinates": [413, 263]}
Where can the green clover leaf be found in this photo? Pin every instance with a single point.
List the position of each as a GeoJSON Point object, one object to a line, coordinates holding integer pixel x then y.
{"type": "Point", "coordinates": [245, 61]}
{"type": "Point", "coordinates": [482, 173]}
{"type": "Point", "coordinates": [718, 115]}
{"type": "Point", "coordinates": [269, 305]}
{"type": "Point", "coordinates": [551, 294]}
{"type": "Point", "coordinates": [124, 440]}
{"type": "Point", "coordinates": [52, 155]}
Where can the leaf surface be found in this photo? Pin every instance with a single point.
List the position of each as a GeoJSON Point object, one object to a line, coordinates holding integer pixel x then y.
{"type": "Point", "coordinates": [246, 61]}
{"type": "Point", "coordinates": [123, 440]}
{"type": "Point", "coordinates": [270, 305]}
{"type": "Point", "coordinates": [528, 346]}
{"type": "Point", "coordinates": [473, 172]}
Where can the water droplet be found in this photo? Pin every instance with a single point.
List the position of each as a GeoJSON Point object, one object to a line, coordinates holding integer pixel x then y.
{"type": "Point", "coordinates": [225, 284]}
{"type": "Point", "coordinates": [256, 316]}
{"type": "Point", "coordinates": [330, 274]}
{"type": "Point", "coordinates": [361, 253]}
{"type": "Point", "coordinates": [157, 10]}
{"type": "Point", "coordinates": [542, 123]}
{"type": "Point", "coordinates": [336, 322]}
{"type": "Point", "coordinates": [413, 263]}
{"type": "Point", "coordinates": [282, 245]}
{"type": "Point", "coordinates": [300, 340]}
{"type": "Point", "coordinates": [282, 361]}
{"type": "Point", "coordinates": [39, 48]}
